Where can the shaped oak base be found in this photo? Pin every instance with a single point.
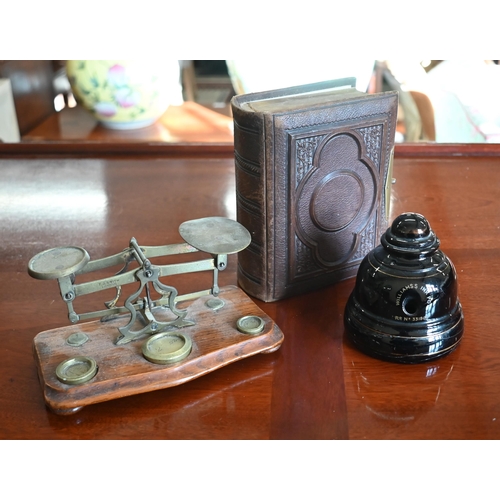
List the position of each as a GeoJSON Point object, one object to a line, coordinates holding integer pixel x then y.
{"type": "Point", "coordinates": [123, 370]}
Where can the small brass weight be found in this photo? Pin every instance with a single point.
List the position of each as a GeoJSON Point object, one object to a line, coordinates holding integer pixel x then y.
{"type": "Point", "coordinates": [85, 363]}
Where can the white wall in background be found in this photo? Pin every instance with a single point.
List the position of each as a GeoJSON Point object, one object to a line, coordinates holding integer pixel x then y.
{"type": "Point", "coordinates": [9, 129]}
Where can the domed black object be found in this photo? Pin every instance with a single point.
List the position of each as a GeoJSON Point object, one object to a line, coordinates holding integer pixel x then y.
{"type": "Point", "coordinates": [404, 307]}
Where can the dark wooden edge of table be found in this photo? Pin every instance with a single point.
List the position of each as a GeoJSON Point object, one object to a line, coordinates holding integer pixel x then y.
{"type": "Point", "coordinates": [224, 149]}
{"type": "Point", "coordinates": [434, 149]}
{"type": "Point", "coordinates": [102, 149]}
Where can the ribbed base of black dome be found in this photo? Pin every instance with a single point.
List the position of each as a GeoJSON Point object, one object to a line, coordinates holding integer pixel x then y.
{"type": "Point", "coordinates": [403, 343]}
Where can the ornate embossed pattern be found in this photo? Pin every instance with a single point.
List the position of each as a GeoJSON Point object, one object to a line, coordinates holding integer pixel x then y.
{"type": "Point", "coordinates": [373, 141]}
{"type": "Point", "coordinates": [306, 148]}
{"type": "Point", "coordinates": [366, 241]}
{"type": "Point", "coordinates": [305, 261]}
{"type": "Point", "coordinates": [305, 153]}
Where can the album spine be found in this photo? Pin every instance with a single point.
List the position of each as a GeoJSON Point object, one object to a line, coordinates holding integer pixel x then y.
{"type": "Point", "coordinates": [251, 205]}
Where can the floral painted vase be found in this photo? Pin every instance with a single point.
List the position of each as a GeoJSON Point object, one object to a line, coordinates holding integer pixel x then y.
{"type": "Point", "coordinates": [125, 94]}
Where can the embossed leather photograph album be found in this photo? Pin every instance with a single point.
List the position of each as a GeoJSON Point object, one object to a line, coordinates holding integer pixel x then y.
{"type": "Point", "coordinates": [312, 183]}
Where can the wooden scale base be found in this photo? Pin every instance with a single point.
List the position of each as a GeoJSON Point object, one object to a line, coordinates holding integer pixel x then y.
{"type": "Point", "coordinates": [123, 370]}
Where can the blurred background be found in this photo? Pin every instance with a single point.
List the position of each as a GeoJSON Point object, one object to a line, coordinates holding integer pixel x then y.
{"type": "Point", "coordinates": [450, 101]}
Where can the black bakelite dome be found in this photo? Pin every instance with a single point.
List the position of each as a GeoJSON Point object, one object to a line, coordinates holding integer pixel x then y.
{"type": "Point", "coordinates": [405, 306]}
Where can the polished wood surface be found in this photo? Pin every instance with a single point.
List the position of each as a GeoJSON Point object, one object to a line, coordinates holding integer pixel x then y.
{"type": "Point", "coordinates": [317, 385]}
{"type": "Point", "coordinates": [122, 370]}
{"type": "Point", "coordinates": [187, 123]}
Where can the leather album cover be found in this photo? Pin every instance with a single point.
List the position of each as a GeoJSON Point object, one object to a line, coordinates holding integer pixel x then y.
{"type": "Point", "coordinates": [312, 183]}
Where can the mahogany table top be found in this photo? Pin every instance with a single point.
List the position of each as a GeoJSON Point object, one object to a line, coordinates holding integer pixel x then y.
{"type": "Point", "coordinates": [317, 385]}
{"type": "Point", "coordinates": [188, 122]}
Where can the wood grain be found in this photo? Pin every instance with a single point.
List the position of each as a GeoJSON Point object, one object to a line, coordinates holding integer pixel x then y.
{"type": "Point", "coordinates": [123, 370]}
{"type": "Point", "coordinates": [189, 122]}
{"type": "Point", "coordinates": [317, 385]}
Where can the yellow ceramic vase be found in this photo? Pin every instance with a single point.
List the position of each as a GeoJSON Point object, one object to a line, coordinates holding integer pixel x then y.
{"type": "Point", "coordinates": [125, 94]}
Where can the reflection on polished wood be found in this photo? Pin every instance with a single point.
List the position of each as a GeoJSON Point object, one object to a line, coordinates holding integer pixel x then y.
{"type": "Point", "coordinates": [189, 122]}
{"type": "Point", "coordinates": [317, 385]}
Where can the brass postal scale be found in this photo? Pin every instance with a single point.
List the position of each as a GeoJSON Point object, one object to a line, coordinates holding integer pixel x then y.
{"type": "Point", "coordinates": [157, 338]}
